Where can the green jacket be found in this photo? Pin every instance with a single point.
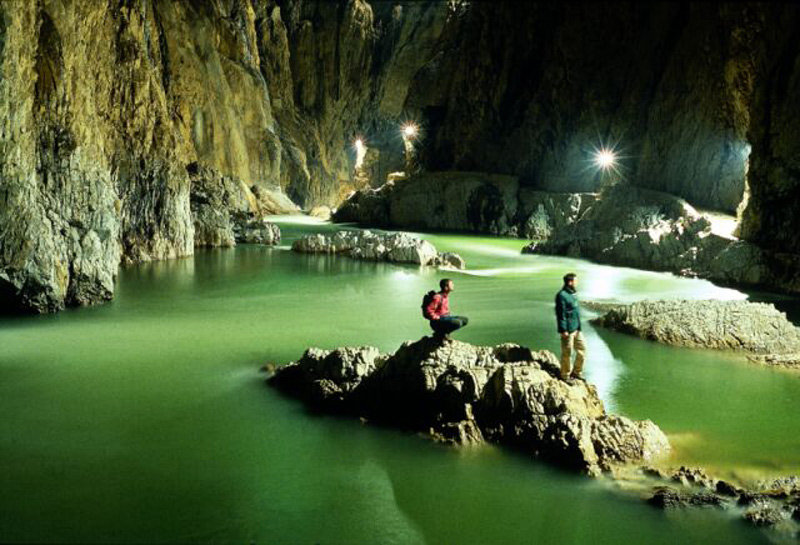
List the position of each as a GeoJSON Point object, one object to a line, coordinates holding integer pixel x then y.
{"type": "Point", "coordinates": [568, 312]}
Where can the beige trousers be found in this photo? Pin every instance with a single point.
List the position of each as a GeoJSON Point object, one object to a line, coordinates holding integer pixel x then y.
{"type": "Point", "coordinates": [573, 342]}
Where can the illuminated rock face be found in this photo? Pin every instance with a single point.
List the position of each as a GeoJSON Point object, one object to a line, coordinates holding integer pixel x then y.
{"type": "Point", "coordinates": [369, 246]}
{"type": "Point", "coordinates": [461, 393]}
{"type": "Point", "coordinates": [756, 328]}
{"type": "Point", "coordinates": [771, 217]}
{"type": "Point", "coordinates": [104, 109]}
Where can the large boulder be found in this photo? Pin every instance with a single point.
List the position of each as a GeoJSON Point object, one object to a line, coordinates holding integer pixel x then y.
{"type": "Point", "coordinates": [457, 201]}
{"type": "Point", "coordinates": [463, 393]}
{"type": "Point", "coordinates": [373, 246]}
{"type": "Point", "coordinates": [757, 328]}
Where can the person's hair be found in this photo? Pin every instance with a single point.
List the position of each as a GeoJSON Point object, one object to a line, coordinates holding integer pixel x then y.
{"type": "Point", "coordinates": [443, 283]}
{"type": "Point", "coordinates": [569, 277]}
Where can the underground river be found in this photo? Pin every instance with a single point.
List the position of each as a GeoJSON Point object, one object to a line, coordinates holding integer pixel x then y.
{"type": "Point", "coordinates": [148, 420]}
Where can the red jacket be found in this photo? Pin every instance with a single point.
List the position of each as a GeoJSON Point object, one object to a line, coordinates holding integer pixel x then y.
{"type": "Point", "coordinates": [439, 306]}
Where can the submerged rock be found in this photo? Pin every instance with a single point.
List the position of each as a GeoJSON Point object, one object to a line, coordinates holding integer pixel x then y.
{"type": "Point", "coordinates": [765, 503]}
{"type": "Point", "coordinates": [463, 393]}
{"type": "Point", "coordinates": [368, 245]}
{"type": "Point", "coordinates": [757, 328]}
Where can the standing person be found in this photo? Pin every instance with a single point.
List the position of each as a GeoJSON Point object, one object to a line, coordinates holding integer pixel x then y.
{"type": "Point", "coordinates": [436, 308]}
{"type": "Point", "coordinates": [568, 318]}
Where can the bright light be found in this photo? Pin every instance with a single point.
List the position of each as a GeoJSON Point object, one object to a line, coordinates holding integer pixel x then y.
{"type": "Point", "coordinates": [605, 159]}
{"type": "Point", "coordinates": [361, 151]}
{"type": "Point", "coordinates": [410, 130]}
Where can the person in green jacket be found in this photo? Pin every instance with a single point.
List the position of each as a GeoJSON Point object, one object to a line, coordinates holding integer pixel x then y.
{"type": "Point", "coordinates": [568, 319]}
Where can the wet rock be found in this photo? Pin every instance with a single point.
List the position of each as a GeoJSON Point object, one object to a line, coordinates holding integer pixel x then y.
{"type": "Point", "coordinates": [251, 230]}
{"type": "Point", "coordinates": [372, 246]}
{"type": "Point", "coordinates": [464, 432]}
{"type": "Point", "coordinates": [791, 361]}
{"type": "Point", "coordinates": [693, 477]}
{"type": "Point", "coordinates": [764, 514]}
{"type": "Point", "coordinates": [506, 394]}
{"type": "Point", "coordinates": [727, 489]}
{"type": "Point", "coordinates": [450, 260]}
{"type": "Point", "coordinates": [630, 226]}
{"type": "Point", "coordinates": [225, 211]}
{"type": "Point", "coordinates": [669, 498]}
{"type": "Point", "coordinates": [728, 325]}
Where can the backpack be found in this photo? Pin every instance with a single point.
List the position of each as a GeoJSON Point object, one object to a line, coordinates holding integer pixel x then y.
{"type": "Point", "coordinates": [427, 300]}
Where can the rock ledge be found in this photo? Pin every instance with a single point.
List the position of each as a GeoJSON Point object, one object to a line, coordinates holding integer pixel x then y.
{"type": "Point", "coordinates": [461, 393]}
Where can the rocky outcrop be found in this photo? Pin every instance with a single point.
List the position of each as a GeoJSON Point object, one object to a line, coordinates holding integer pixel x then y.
{"type": "Point", "coordinates": [755, 328]}
{"type": "Point", "coordinates": [464, 201]}
{"type": "Point", "coordinates": [462, 393]}
{"type": "Point", "coordinates": [225, 211]}
{"type": "Point", "coordinates": [635, 227]}
{"type": "Point", "coordinates": [770, 503]}
{"type": "Point", "coordinates": [107, 110]}
{"type": "Point", "coordinates": [104, 107]}
{"type": "Point", "coordinates": [371, 246]}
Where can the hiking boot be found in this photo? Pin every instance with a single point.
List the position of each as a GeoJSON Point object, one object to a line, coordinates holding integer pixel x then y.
{"type": "Point", "coordinates": [577, 376]}
{"type": "Point", "coordinates": [565, 378]}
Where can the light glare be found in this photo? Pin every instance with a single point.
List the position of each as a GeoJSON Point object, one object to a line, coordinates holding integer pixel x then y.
{"type": "Point", "coordinates": [361, 152]}
{"type": "Point", "coordinates": [410, 130]}
{"type": "Point", "coordinates": [605, 159]}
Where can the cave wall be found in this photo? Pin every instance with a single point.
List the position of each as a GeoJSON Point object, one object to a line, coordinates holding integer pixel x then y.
{"type": "Point", "coordinates": [114, 113]}
{"type": "Point", "coordinates": [103, 107]}
{"type": "Point", "coordinates": [667, 83]}
{"type": "Point", "coordinates": [771, 214]}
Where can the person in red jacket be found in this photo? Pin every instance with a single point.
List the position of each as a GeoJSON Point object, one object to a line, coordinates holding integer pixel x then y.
{"type": "Point", "coordinates": [438, 312]}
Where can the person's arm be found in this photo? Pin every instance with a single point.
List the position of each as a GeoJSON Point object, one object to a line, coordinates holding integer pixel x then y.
{"type": "Point", "coordinates": [433, 307]}
{"type": "Point", "coordinates": [561, 315]}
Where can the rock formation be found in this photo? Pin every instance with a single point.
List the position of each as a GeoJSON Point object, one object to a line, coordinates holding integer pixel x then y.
{"type": "Point", "coordinates": [770, 503]}
{"type": "Point", "coordinates": [395, 247]}
{"type": "Point", "coordinates": [464, 201]}
{"type": "Point", "coordinates": [462, 393]}
{"type": "Point", "coordinates": [755, 328]}
{"type": "Point", "coordinates": [105, 107]}
{"type": "Point", "coordinates": [635, 227]}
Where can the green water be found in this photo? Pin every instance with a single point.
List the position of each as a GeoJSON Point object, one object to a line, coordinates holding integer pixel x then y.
{"type": "Point", "coordinates": [147, 420]}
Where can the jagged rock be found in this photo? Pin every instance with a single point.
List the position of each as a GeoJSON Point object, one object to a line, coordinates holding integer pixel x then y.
{"type": "Point", "coordinates": [791, 361]}
{"type": "Point", "coordinates": [693, 477]}
{"type": "Point", "coordinates": [630, 226]}
{"type": "Point", "coordinates": [368, 245]}
{"type": "Point", "coordinates": [667, 498]}
{"type": "Point", "coordinates": [764, 514]}
{"type": "Point", "coordinates": [727, 489]}
{"type": "Point", "coordinates": [225, 211]}
{"type": "Point", "coordinates": [505, 394]}
{"type": "Point", "coordinates": [450, 260]}
{"type": "Point", "coordinates": [732, 325]}
{"type": "Point", "coordinates": [255, 231]}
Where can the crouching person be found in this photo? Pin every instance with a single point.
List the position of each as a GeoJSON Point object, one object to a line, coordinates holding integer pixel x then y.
{"type": "Point", "coordinates": [436, 308]}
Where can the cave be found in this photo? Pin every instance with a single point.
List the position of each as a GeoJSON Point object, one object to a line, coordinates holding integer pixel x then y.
{"type": "Point", "coordinates": [557, 238]}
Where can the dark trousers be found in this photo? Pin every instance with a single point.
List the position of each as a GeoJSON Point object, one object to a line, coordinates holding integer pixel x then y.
{"type": "Point", "coordinates": [448, 324]}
